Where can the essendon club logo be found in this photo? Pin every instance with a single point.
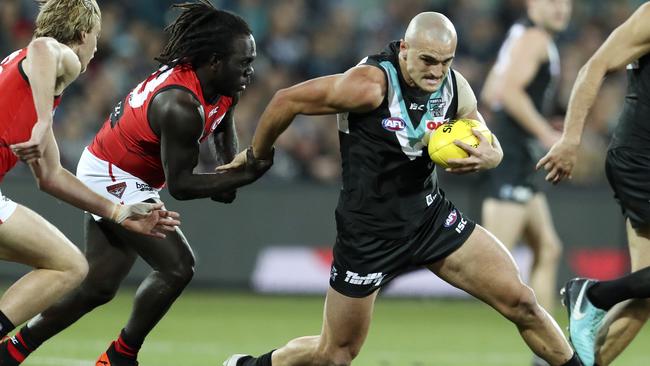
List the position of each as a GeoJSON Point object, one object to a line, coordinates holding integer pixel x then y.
{"type": "Point", "coordinates": [117, 190]}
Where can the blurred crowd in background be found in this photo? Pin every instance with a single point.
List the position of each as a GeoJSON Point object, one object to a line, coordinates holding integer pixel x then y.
{"type": "Point", "coordinates": [301, 39]}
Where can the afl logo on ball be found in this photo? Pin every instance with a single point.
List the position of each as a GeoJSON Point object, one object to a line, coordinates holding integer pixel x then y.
{"type": "Point", "coordinates": [393, 124]}
{"type": "Point", "coordinates": [451, 219]}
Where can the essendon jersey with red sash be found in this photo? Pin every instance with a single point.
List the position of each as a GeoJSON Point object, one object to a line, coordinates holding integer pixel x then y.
{"type": "Point", "coordinates": [126, 139]}
{"type": "Point", "coordinates": [17, 110]}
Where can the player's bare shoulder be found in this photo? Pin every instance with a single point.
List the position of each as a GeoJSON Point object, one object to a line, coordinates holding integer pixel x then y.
{"type": "Point", "coordinates": [535, 41]}
{"type": "Point", "coordinates": [370, 84]}
{"type": "Point", "coordinates": [368, 74]}
{"type": "Point", "coordinates": [70, 66]}
{"type": "Point", "coordinates": [467, 102]}
{"type": "Point", "coordinates": [175, 107]}
{"type": "Point", "coordinates": [67, 64]}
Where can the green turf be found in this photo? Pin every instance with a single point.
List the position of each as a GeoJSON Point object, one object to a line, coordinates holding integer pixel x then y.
{"type": "Point", "coordinates": [203, 328]}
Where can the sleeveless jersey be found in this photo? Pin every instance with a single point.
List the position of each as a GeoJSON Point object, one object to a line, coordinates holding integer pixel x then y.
{"type": "Point", "coordinates": [633, 129]}
{"type": "Point", "coordinates": [542, 91]}
{"type": "Point", "coordinates": [126, 139]}
{"type": "Point", "coordinates": [17, 110]}
{"type": "Point", "coordinates": [388, 179]}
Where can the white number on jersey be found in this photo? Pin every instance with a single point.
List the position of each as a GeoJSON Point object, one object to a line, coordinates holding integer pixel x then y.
{"type": "Point", "coordinates": [8, 59]}
{"type": "Point", "coordinates": [139, 94]}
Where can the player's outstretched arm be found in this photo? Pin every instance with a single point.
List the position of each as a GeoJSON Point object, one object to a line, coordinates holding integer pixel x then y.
{"type": "Point", "coordinates": [176, 116]}
{"type": "Point", "coordinates": [143, 218]}
{"type": "Point", "coordinates": [627, 43]}
{"type": "Point", "coordinates": [360, 89]}
{"type": "Point", "coordinates": [47, 63]}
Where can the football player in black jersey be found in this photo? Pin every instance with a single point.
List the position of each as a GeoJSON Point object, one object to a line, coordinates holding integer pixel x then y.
{"type": "Point", "coordinates": [628, 171]}
{"type": "Point", "coordinates": [387, 179]}
{"type": "Point", "coordinates": [521, 91]}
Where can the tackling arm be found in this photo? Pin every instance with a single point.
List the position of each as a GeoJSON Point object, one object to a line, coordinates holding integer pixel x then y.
{"type": "Point", "coordinates": [52, 178]}
{"type": "Point", "coordinates": [360, 89]}
{"type": "Point", "coordinates": [180, 123]}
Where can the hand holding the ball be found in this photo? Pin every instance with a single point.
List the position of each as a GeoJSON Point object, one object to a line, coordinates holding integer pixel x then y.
{"type": "Point", "coordinates": [483, 156]}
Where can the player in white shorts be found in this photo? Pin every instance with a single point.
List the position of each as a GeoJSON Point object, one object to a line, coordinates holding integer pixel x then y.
{"type": "Point", "coordinates": [31, 82]}
{"type": "Point", "coordinates": [149, 141]}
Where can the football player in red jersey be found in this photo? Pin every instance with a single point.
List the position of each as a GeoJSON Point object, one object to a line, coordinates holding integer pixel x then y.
{"type": "Point", "coordinates": [32, 80]}
{"type": "Point", "coordinates": [150, 140]}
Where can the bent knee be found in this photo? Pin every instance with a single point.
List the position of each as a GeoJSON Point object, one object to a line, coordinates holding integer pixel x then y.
{"type": "Point", "coordinates": [521, 306]}
{"type": "Point", "coordinates": [551, 250]}
{"type": "Point", "coordinates": [639, 308]}
{"type": "Point", "coordinates": [74, 271]}
{"type": "Point", "coordinates": [181, 274]}
{"type": "Point", "coordinates": [341, 356]}
{"type": "Point", "coordinates": [96, 294]}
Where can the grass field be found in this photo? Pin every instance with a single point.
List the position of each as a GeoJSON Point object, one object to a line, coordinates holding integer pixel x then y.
{"type": "Point", "coordinates": [203, 328]}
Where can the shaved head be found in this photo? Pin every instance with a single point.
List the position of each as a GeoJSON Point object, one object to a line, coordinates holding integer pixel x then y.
{"type": "Point", "coordinates": [427, 50]}
{"type": "Point", "coordinates": [430, 28]}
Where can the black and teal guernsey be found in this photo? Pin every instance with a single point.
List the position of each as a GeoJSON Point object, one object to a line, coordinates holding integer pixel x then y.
{"type": "Point", "coordinates": [514, 179]}
{"type": "Point", "coordinates": [388, 179]}
{"type": "Point", "coordinates": [628, 159]}
{"type": "Point", "coordinates": [633, 129]}
{"type": "Point", "coordinates": [542, 90]}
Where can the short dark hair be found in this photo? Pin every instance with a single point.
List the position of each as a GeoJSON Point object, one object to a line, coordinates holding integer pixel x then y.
{"type": "Point", "coordinates": [200, 32]}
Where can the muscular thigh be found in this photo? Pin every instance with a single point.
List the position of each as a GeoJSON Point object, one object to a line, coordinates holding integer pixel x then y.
{"type": "Point", "coordinates": [108, 258]}
{"type": "Point", "coordinates": [28, 238]}
{"type": "Point", "coordinates": [159, 253]}
{"type": "Point", "coordinates": [483, 267]}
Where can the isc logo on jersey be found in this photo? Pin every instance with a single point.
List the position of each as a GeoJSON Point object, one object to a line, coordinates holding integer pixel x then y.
{"type": "Point", "coordinates": [393, 124]}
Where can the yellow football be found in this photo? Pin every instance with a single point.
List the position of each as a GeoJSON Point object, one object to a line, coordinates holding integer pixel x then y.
{"type": "Point", "coordinates": [441, 142]}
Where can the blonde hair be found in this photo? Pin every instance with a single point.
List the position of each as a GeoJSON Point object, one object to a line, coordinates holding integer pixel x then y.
{"type": "Point", "coordinates": [67, 20]}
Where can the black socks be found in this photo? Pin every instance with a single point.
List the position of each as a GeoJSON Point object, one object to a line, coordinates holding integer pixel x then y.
{"type": "Point", "coordinates": [6, 325]}
{"type": "Point", "coordinates": [263, 360]}
{"type": "Point", "coordinates": [605, 294]}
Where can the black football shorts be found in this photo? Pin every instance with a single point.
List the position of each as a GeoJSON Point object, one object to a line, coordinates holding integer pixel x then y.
{"type": "Point", "coordinates": [628, 173]}
{"type": "Point", "coordinates": [514, 178]}
{"type": "Point", "coordinates": [364, 263]}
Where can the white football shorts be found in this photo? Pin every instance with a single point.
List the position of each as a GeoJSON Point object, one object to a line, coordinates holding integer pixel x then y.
{"type": "Point", "coordinates": [7, 208]}
{"type": "Point", "coordinates": [112, 182]}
